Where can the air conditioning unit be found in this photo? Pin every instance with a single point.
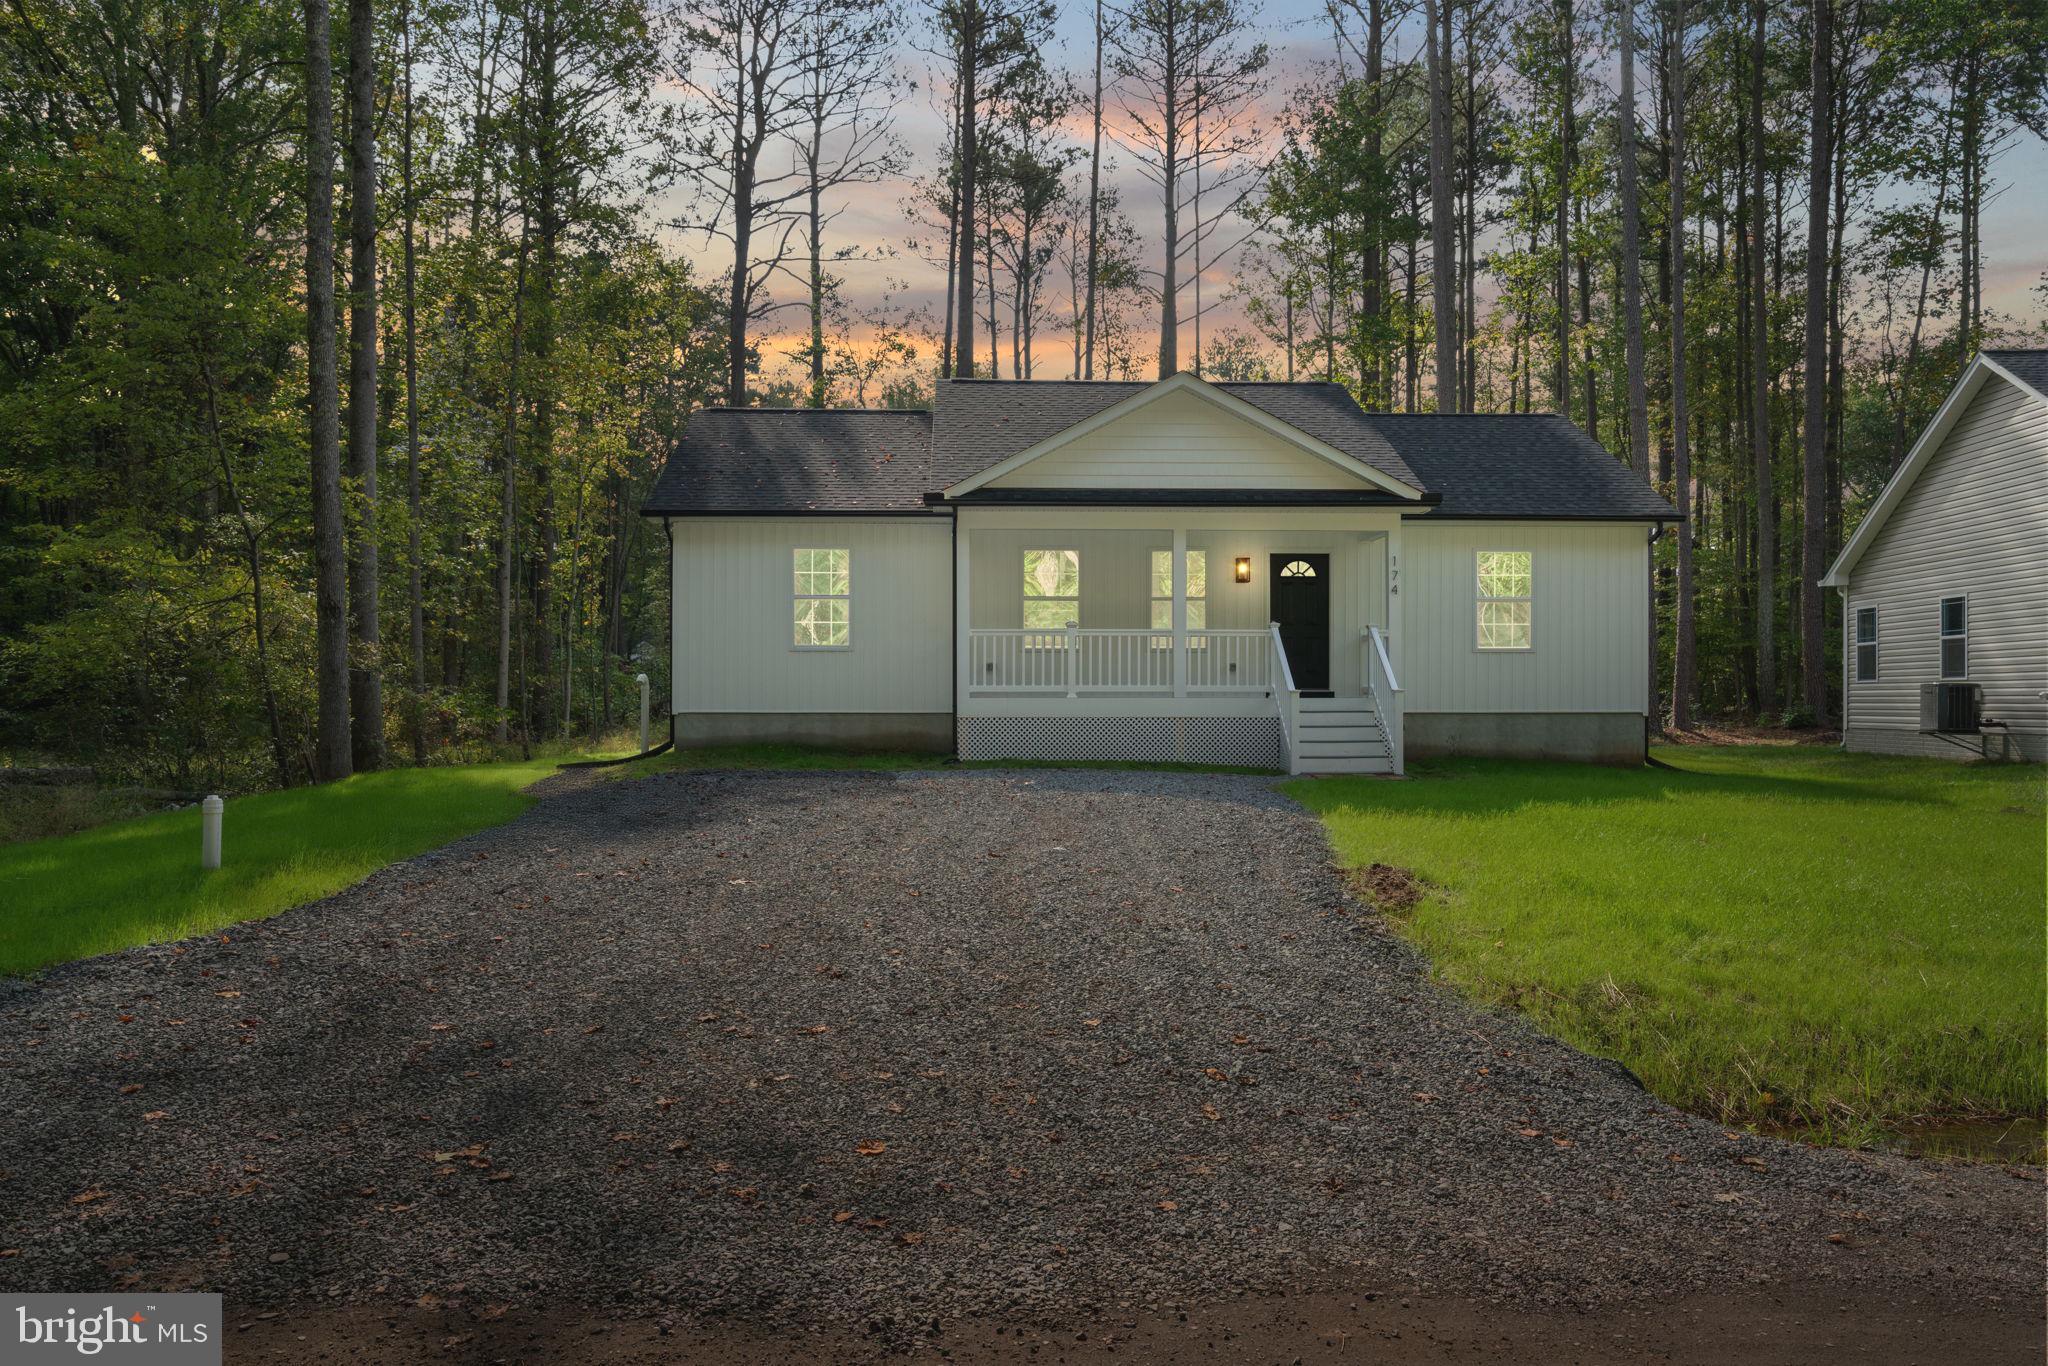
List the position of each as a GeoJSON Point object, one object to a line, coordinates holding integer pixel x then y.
{"type": "Point", "coordinates": [1951, 708]}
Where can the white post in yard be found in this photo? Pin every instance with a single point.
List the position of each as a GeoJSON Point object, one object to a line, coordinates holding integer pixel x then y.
{"type": "Point", "coordinates": [641, 679]}
{"type": "Point", "coordinates": [209, 832]}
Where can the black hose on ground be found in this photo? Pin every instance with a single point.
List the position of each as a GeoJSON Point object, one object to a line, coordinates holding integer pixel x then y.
{"type": "Point", "coordinates": [661, 748]}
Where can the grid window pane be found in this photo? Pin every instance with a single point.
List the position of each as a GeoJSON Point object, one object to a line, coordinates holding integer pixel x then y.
{"type": "Point", "coordinates": [823, 622]}
{"type": "Point", "coordinates": [1866, 663]}
{"type": "Point", "coordinates": [1504, 626]}
{"type": "Point", "coordinates": [1866, 625]}
{"type": "Point", "coordinates": [1052, 573]}
{"type": "Point", "coordinates": [1953, 657]}
{"type": "Point", "coordinates": [823, 572]}
{"type": "Point", "coordinates": [1504, 574]}
{"type": "Point", "coordinates": [1952, 616]}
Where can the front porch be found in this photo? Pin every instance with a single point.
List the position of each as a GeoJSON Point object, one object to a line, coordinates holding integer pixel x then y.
{"type": "Point", "coordinates": [1260, 638]}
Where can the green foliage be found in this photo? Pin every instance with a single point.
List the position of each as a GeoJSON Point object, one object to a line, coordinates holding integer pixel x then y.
{"type": "Point", "coordinates": [1788, 937]}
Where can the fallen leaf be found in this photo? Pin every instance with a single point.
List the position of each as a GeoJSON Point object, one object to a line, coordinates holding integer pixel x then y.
{"type": "Point", "coordinates": [131, 1088]}
{"type": "Point", "coordinates": [870, 1147]}
{"type": "Point", "coordinates": [154, 1115]}
{"type": "Point", "coordinates": [815, 1029]}
{"type": "Point", "coordinates": [86, 1197]}
{"type": "Point", "coordinates": [1210, 1112]}
{"type": "Point", "coordinates": [913, 1239]}
{"type": "Point", "coordinates": [1530, 1133]}
{"type": "Point", "coordinates": [227, 995]}
{"type": "Point", "coordinates": [844, 1216]}
{"type": "Point", "coordinates": [1169, 1205]}
{"type": "Point", "coordinates": [1092, 1024]}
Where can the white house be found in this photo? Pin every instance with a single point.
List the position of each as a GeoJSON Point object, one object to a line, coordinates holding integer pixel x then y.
{"type": "Point", "coordinates": [1945, 584]}
{"type": "Point", "coordinates": [1257, 574]}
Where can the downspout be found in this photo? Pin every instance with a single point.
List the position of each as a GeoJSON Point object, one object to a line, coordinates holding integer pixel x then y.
{"type": "Point", "coordinates": [1650, 591]}
{"type": "Point", "coordinates": [953, 658]}
{"type": "Point", "coordinates": [1848, 656]}
{"type": "Point", "coordinates": [668, 534]}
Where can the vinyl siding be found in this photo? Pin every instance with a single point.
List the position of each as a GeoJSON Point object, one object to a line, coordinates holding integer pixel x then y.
{"type": "Point", "coordinates": [732, 633]}
{"type": "Point", "coordinates": [1589, 619]}
{"type": "Point", "coordinates": [1180, 441]}
{"type": "Point", "coordinates": [1974, 523]}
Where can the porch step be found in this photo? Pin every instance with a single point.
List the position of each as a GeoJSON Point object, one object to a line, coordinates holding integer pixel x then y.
{"type": "Point", "coordinates": [1351, 729]}
{"type": "Point", "coordinates": [1310, 765]}
{"type": "Point", "coordinates": [1339, 704]}
{"type": "Point", "coordinates": [1340, 735]}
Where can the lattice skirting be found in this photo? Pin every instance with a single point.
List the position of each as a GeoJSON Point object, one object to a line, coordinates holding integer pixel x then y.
{"type": "Point", "coordinates": [1240, 741]}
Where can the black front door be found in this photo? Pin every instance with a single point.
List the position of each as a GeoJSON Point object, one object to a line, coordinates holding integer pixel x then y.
{"type": "Point", "coordinates": [1301, 604]}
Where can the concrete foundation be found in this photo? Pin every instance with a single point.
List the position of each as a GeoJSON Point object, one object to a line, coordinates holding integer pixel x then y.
{"type": "Point", "coordinates": [922, 732]}
{"type": "Point", "coordinates": [1584, 737]}
{"type": "Point", "coordinates": [2016, 746]}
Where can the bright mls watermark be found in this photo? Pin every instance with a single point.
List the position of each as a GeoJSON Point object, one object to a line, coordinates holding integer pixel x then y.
{"type": "Point", "coordinates": [164, 1330]}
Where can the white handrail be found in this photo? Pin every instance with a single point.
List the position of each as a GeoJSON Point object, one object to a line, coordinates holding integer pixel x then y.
{"type": "Point", "coordinates": [1280, 653]}
{"type": "Point", "coordinates": [1285, 700]}
{"type": "Point", "coordinates": [1379, 645]}
{"type": "Point", "coordinates": [1391, 710]}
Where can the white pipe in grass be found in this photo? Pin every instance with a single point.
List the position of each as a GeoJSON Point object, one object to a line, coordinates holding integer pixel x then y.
{"type": "Point", "coordinates": [209, 832]}
{"type": "Point", "coordinates": [641, 679]}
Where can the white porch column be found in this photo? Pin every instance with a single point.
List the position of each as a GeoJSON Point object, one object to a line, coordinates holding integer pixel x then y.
{"type": "Point", "coordinates": [1180, 612]}
{"type": "Point", "coordinates": [963, 611]}
{"type": "Point", "coordinates": [1397, 651]}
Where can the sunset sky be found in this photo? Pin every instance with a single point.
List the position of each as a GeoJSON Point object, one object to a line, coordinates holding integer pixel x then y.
{"type": "Point", "coordinates": [873, 217]}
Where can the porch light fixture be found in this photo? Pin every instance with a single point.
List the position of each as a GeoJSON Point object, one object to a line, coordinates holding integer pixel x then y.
{"type": "Point", "coordinates": [1241, 569]}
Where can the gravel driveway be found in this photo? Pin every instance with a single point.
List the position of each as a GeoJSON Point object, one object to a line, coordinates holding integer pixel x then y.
{"type": "Point", "coordinates": [891, 1049]}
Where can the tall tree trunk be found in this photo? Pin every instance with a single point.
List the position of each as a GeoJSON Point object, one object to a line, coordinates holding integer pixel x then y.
{"type": "Point", "coordinates": [1094, 206]}
{"type": "Point", "coordinates": [963, 308]}
{"type": "Point", "coordinates": [332, 756]}
{"type": "Point", "coordinates": [1760, 381]}
{"type": "Point", "coordinates": [366, 671]}
{"type": "Point", "coordinates": [508, 500]}
{"type": "Point", "coordinates": [1374, 381]}
{"type": "Point", "coordinates": [1443, 262]}
{"type": "Point", "coordinates": [1813, 521]}
{"type": "Point", "coordinates": [1567, 55]}
{"type": "Point", "coordinates": [1169, 289]}
{"type": "Point", "coordinates": [1683, 662]}
{"type": "Point", "coordinates": [415, 579]}
{"type": "Point", "coordinates": [1632, 308]}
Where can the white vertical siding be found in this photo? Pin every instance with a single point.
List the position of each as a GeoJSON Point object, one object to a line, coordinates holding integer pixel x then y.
{"type": "Point", "coordinates": [732, 631]}
{"type": "Point", "coordinates": [1589, 619]}
{"type": "Point", "coordinates": [1179, 441]}
{"type": "Point", "coordinates": [1973, 524]}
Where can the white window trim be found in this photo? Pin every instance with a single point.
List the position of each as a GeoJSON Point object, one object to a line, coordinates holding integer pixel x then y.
{"type": "Point", "coordinates": [1942, 637]}
{"type": "Point", "coordinates": [1479, 599]}
{"type": "Point", "coordinates": [1022, 599]}
{"type": "Point", "coordinates": [796, 597]}
{"type": "Point", "coordinates": [1856, 642]}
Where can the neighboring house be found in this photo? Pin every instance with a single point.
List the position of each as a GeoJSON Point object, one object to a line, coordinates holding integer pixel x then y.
{"type": "Point", "coordinates": [1945, 583]}
{"type": "Point", "coordinates": [1257, 574]}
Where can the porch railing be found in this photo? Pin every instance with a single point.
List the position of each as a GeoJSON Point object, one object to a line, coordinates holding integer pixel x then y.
{"type": "Point", "coordinates": [1075, 661]}
{"type": "Point", "coordinates": [1385, 689]}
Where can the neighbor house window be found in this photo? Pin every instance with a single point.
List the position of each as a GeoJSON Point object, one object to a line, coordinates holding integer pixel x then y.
{"type": "Point", "coordinates": [1162, 597]}
{"type": "Point", "coordinates": [1866, 645]}
{"type": "Point", "coordinates": [1052, 589]}
{"type": "Point", "coordinates": [822, 602]}
{"type": "Point", "coordinates": [1955, 638]}
{"type": "Point", "coordinates": [1506, 588]}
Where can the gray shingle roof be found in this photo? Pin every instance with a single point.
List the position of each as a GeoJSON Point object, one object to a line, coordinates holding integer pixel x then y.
{"type": "Point", "coordinates": [768, 460]}
{"type": "Point", "coordinates": [739, 460]}
{"type": "Point", "coordinates": [2030, 366]}
{"type": "Point", "coordinates": [978, 422]}
{"type": "Point", "coordinates": [1518, 465]}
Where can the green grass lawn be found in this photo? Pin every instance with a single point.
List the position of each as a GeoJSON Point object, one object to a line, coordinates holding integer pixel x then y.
{"type": "Point", "coordinates": [1837, 944]}
{"type": "Point", "coordinates": [138, 881]}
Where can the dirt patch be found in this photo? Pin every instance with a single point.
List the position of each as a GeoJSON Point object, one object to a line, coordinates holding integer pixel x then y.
{"type": "Point", "coordinates": [1748, 733]}
{"type": "Point", "coordinates": [1386, 888]}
